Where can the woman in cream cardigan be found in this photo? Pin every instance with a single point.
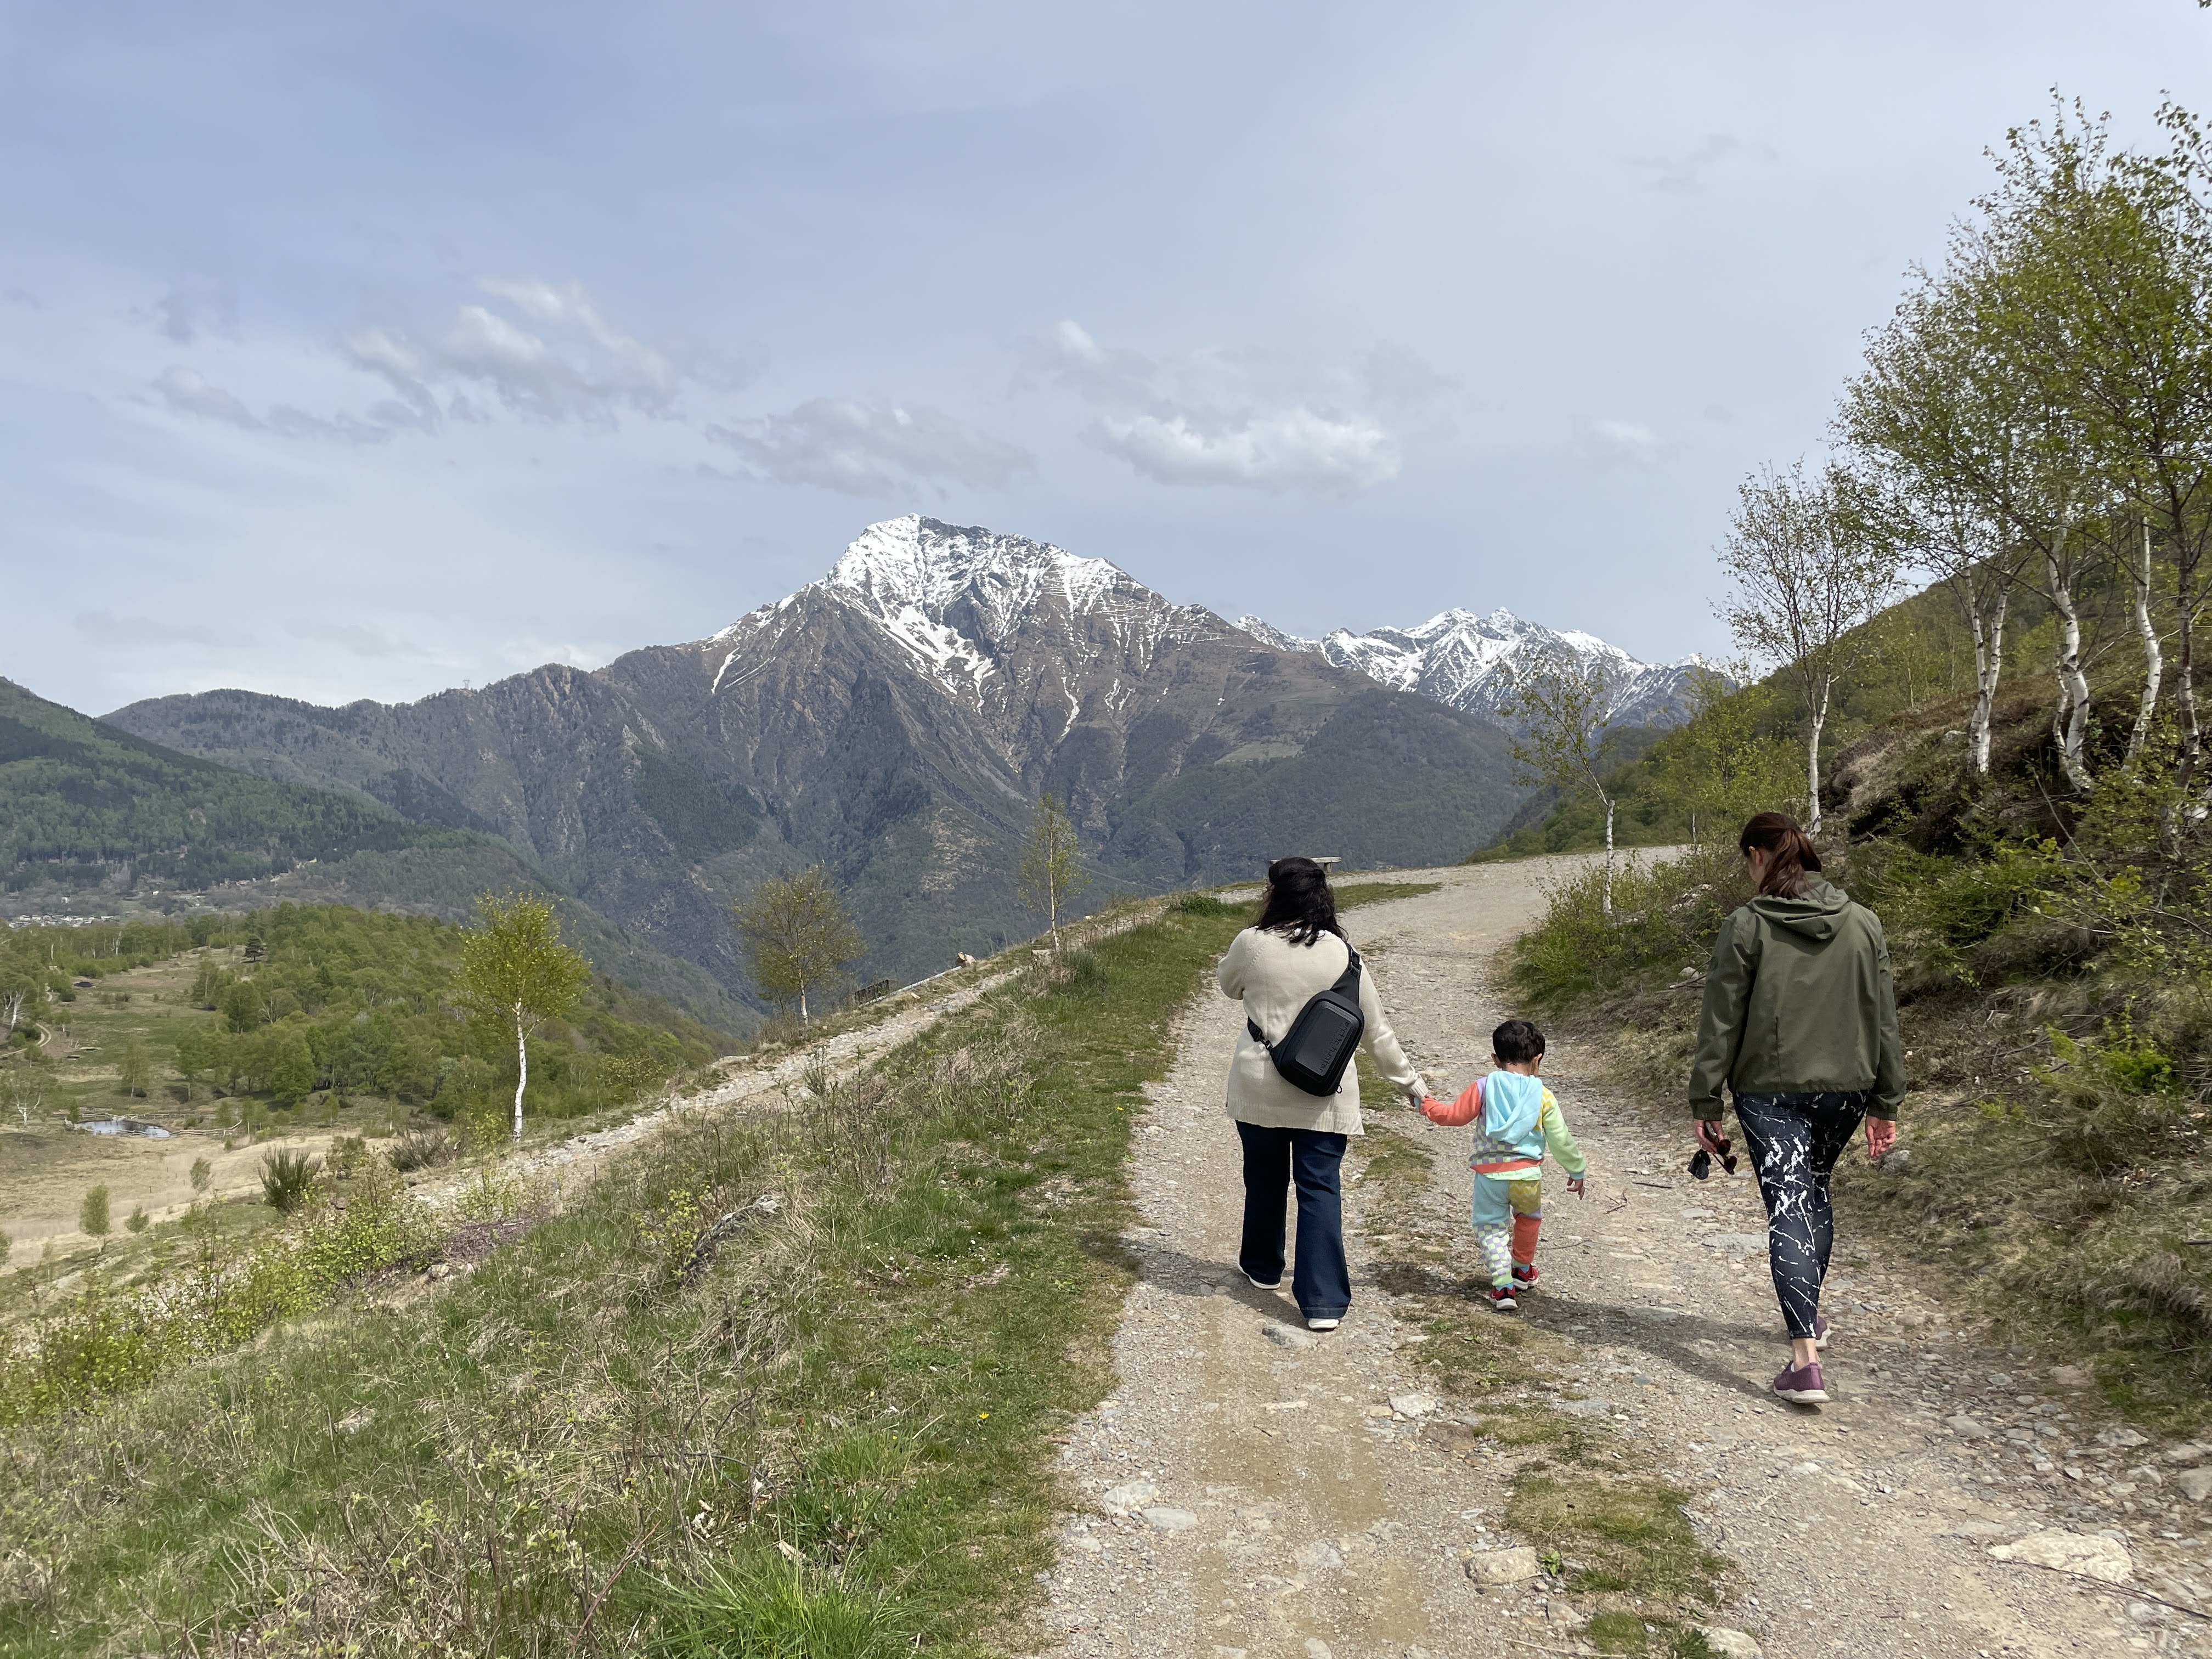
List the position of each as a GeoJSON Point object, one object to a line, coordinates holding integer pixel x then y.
{"type": "Point", "coordinates": [1290, 1137]}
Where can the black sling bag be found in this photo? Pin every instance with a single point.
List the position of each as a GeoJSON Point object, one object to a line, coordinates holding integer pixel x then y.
{"type": "Point", "coordinates": [1313, 1053]}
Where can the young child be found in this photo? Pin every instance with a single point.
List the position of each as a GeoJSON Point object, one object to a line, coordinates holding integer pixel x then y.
{"type": "Point", "coordinates": [1516, 1121]}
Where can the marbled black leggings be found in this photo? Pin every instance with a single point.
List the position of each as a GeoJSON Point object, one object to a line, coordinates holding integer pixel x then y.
{"type": "Point", "coordinates": [1794, 1141]}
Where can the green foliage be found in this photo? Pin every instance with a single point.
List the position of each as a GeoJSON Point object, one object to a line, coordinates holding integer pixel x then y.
{"type": "Point", "coordinates": [138, 1220]}
{"type": "Point", "coordinates": [1205, 904]}
{"type": "Point", "coordinates": [134, 1072]}
{"type": "Point", "coordinates": [80, 800]}
{"type": "Point", "coordinates": [757, 1606]}
{"type": "Point", "coordinates": [107, 1338]}
{"type": "Point", "coordinates": [203, 1175]}
{"type": "Point", "coordinates": [92, 1215]}
{"type": "Point", "coordinates": [798, 936]}
{"type": "Point", "coordinates": [898, 1297]}
{"type": "Point", "coordinates": [1050, 873]}
{"type": "Point", "coordinates": [287, 1179]}
{"type": "Point", "coordinates": [702, 815]}
{"type": "Point", "coordinates": [419, 1149]}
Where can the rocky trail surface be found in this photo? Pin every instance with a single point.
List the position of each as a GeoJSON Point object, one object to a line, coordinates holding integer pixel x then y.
{"type": "Point", "coordinates": [1250, 1491]}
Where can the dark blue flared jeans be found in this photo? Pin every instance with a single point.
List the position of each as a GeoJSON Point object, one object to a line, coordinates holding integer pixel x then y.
{"type": "Point", "coordinates": [1275, 1159]}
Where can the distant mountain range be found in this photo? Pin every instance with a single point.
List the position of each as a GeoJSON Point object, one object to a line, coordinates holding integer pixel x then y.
{"type": "Point", "coordinates": [93, 820]}
{"type": "Point", "coordinates": [895, 720]}
{"type": "Point", "coordinates": [1469, 662]}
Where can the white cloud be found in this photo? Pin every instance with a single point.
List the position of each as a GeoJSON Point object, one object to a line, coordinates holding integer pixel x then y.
{"type": "Point", "coordinates": [1249, 419]}
{"type": "Point", "coordinates": [1619, 443]}
{"type": "Point", "coordinates": [547, 351]}
{"type": "Point", "coordinates": [1072, 357]}
{"type": "Point", "coordinates": [1278, 450]}
{"type": "Point", "coordinates": [860, 449]}
{"type": "Point", "coordinates": [188, 392]}
{"type": "Point", "coordinates": [188, 313]}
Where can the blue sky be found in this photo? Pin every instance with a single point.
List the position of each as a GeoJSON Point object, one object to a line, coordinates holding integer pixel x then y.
{"type": "Point", "coordinates": [361, 351]}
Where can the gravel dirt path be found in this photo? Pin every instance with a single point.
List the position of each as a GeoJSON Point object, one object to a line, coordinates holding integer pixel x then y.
{"type": "Point", "coordinates": [1249, 1491]}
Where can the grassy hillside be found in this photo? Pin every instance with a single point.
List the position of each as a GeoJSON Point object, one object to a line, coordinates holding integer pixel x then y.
{"type": "Point", "coordinates": [776, 1384]}
{"type": "Point", "coordinates": [2051, 957]}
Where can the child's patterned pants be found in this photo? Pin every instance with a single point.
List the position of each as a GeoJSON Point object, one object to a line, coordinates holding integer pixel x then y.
{"type": "Point", "coordinates": [1794, 1141]}
{"type": "Point", "coordinates": [1507, 1210]}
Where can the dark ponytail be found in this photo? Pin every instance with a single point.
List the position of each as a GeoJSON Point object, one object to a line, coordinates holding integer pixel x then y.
{"type": "Point", "coordinates": [1790, 853]}
{"type": "Point", "coordinates": [1299, 904]}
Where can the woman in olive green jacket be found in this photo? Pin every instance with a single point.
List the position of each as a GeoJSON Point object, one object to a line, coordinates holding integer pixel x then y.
{"type": "Point", "coordinates": [1800, 1023]}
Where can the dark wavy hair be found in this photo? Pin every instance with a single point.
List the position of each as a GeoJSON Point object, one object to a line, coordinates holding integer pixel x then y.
{"type": "Point", "coordinates": [1299, 905]}
{"type": "Point", "coordinates": [1790, 853]}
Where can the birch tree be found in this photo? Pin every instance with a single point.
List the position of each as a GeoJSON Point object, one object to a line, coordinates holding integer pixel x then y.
{"type": "Point", "coordinates": [2132, 333]}
{"type": "Point", "coordinates": [1926, 430]}
{"type": "Point", "coordinates": [1050, 873]}
{"type": "Point", "coordinates": [516, 975]}
{"type": "Point", "coordinates": [1807, 572]}
{"type": "Point", "coordinates": [1561, 704]}
{"type": "Point", "coordinates": [799, 935]}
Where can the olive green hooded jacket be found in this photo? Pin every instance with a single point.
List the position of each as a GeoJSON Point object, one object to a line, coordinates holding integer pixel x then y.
{"type": "Point", "coordinates": [1799, 1000]}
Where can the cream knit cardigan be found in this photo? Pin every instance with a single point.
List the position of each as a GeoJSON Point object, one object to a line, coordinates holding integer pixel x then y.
{"type": "Point", "coordinates": [1273, 979]}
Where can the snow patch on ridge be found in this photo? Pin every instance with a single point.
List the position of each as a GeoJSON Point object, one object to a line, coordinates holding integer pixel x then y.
{"type": "Point", "coordinates": [1466, 660]}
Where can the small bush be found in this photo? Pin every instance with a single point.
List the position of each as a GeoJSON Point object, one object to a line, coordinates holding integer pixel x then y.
{"type": "Point", "coordinates": [419, 1149]}
{"type": "Point", "coordinates": [139, 1220]}
{"type": "Point", "coordinates": [92, 1215]}
{"type": "Point", "coordinates": [288, 1179]}
{"type": "Point", "coordinates": [348, 1157]}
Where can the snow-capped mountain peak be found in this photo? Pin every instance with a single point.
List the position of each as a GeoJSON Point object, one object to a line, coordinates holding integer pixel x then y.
{"type": "Point", "coordinates": [1466, 659]}
{"type": "Point", "coordinates": [914, 562]}
{"type": "Point", "coordinates": [962, 603]}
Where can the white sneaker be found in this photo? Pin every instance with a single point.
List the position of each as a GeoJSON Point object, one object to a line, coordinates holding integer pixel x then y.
{"type": "Point", "coordinates": [1322, 1324]}
{"type": "Point", "coordinates": [1275, 1283]}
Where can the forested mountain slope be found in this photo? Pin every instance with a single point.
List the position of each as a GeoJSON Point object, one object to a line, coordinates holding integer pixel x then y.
{"type": "Point", "coordinates": [91, 815]}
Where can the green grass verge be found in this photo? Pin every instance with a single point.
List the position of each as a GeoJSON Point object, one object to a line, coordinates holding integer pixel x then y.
{"type": "Point", "coordinates": [778, 1384]}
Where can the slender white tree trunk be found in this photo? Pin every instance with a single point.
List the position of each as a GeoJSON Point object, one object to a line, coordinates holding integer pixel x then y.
{"type": "Point", "coordinates": [1813, 761]}
{"type": "Point", "coordinates": [1988, 663]}
{"type": "Point", "coordinates": [2154, 658]}
{"type": "Point", "coordinates": [521, 1070]}
{"type": "Point", "coordinates": [2071, 723]}
{"type": "Point", "coordinates": [1608, 854]}
{"type": "Point", "coordinates": [802, 1002]}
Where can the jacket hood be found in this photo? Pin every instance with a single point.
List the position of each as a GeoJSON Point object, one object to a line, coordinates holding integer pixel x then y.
{"type": "Point", "coordinates": [1815, 915]}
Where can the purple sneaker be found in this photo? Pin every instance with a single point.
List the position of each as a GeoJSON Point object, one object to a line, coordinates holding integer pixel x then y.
{"type": "Point", "coordinates": [1800, 1385]}
{"type": "Point", "coordinates": [1820, 1332]}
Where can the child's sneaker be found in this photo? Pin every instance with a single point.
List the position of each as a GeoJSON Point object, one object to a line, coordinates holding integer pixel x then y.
{"type": "Point", "coordinates": [1800, 1385]}
{"type": "Point", "coordinates": [1525, 1276]}
{"type": "Point", "coordinates": [1501, 1298]}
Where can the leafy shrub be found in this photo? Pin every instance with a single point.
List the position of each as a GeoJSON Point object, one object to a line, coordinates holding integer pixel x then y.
{"type": "Point", "coordinates": [92, 1215]}
{"type": "Point", "coordinates": [419, 1149]}
{"type": "Point", "coordinates": [347, 1156]}
{"type": "Point", "coordinates": [106, 1340]}
{"type": "Point", "coordinates": [288, 1179]}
